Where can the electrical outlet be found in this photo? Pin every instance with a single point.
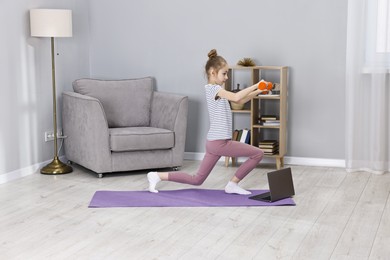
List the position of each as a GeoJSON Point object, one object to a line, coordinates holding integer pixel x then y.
{"type": "Point", "coordinates": [49, 135]}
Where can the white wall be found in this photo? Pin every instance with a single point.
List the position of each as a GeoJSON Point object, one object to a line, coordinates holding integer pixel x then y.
{"type": "Point", "coordinates": [25, 72]}
{"type": "Point", "coordinates": [169, 40]}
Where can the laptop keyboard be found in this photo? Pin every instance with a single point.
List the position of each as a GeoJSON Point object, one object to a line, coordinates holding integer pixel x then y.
{"type": "Point", "coordinates": [263, 196]}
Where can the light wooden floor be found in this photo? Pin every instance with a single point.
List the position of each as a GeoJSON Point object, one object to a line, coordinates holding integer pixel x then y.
{"type": "Point", "coordinates": [338, 215]}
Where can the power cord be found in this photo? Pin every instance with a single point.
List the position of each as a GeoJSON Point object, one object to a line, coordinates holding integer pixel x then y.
{"type": "Point", "coordinates": [62, 137]}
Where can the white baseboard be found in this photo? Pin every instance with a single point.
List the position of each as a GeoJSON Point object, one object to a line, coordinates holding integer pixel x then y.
{"type": "Point", "coordinates": [287, 160]}
{"type": "Point", "coordinates": [10, 176]}
{"type": "Point", "coordinates": [314, 162]}
{"type": "Point", "coordinates": [14, 175]}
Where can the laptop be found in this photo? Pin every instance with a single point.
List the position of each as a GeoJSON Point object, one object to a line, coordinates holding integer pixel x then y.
{"type": "Point", "coordinates": [280, 184]}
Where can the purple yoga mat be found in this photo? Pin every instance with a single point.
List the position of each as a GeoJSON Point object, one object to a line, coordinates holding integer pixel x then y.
{"type": "Point", "coordinates": [179, 198]}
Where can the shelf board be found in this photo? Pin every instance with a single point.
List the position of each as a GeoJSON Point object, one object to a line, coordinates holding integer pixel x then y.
{"type": "Point", "coordinates": [267, 97]}
{"type": "Point", "coordinates": [266, 126]}
{"type": "Point", "coordinates": [272, 155]}
{"type": "Point", "coordinates": [243, 111]}
{"type": "Point", "coordinates": [238, 67]}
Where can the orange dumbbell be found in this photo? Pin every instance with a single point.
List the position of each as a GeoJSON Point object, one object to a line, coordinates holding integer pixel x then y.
{"type": "Point", "coordinates": [266, 86]}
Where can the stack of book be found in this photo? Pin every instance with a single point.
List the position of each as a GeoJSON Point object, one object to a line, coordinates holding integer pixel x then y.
{"type": "Point", "coordinates": [242, 135]}
{"type": "Point", "coordinates": [269, 120]}
{"type": "Point", "coordinates": [269, 147]}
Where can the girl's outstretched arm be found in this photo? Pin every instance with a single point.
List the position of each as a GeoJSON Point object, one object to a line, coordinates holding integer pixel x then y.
{"type": "Point", "coordinates": [242, 96]}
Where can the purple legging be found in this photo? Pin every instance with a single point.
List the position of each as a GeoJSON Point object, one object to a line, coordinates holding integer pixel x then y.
{"type": "Point", "coordinates": [214, 151]}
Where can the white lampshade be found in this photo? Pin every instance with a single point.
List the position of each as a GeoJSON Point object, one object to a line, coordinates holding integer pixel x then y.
{"type": "Point", "coordinates": [51, 22]}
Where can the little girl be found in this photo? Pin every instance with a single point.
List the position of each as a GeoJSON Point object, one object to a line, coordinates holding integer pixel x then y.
{"type": "Point", "coordinates": [219, 141]}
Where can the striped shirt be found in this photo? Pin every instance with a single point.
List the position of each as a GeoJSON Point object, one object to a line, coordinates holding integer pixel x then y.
{"type": "Point", "coordinates": [220, 114]}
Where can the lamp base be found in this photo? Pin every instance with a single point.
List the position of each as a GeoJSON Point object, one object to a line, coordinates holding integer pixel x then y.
{"type": "Point", "coordinates": [56, 167]}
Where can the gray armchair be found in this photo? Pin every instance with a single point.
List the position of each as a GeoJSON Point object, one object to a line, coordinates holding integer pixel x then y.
{"type": "Point", "coordinates": [123, 125]}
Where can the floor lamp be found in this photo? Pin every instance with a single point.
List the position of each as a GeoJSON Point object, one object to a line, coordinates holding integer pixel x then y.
{"type": "Point", "coordinates": [52, 23]}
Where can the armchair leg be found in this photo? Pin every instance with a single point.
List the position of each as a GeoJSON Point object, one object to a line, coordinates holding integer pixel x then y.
{"type": "Point", "coordinates": [100, 175]}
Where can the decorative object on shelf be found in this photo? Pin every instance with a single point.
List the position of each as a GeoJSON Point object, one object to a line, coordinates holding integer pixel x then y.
{"type": "Point", "coordinates": [275, 89]}
{"type": "Point", "coordinates": [237, 89]}
{"type": "Point", "coordinates": [234, 105]}
{"type": "Point", "coordinates": [52, 23]}
{"type": "Point", "coordinates": [246, 62]}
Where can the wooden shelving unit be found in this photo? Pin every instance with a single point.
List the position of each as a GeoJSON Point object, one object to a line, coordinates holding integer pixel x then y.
{"type": "Point", "coordinates": [260, 106]}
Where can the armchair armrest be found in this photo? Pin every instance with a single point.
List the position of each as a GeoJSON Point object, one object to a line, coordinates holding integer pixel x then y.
{"type": "Point", "coordinates": [85, 125]}
{"type": "Point", "coordinates": [169, 111]}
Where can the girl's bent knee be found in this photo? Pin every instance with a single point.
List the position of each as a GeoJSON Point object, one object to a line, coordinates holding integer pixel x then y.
{"type": "Point", "coordinates": [259, 155]}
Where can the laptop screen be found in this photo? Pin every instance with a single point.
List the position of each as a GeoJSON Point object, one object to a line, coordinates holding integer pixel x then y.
{"type": "Point", "coordinates": [280, 184]}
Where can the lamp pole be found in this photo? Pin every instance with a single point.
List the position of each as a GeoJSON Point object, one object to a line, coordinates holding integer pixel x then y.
{"type": "Point", "coordinates": [56, 166]}
{"type": "Point", "coordinates": [53, 79]}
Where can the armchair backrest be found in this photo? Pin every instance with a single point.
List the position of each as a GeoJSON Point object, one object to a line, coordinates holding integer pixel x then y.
{"type": "Point", "coordinates": [126, 102]}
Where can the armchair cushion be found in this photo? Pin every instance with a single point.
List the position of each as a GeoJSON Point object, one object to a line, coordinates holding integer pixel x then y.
{"type": "Point", "coordinates": [140, 139]}
{"type": "Point", "coordinates": [125, 102]}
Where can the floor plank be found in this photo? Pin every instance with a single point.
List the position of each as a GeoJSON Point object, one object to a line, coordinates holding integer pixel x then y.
{"type": "Point", "coordinates": [359, 234]}
{"type": "Point", "coordinates": [323, 236]}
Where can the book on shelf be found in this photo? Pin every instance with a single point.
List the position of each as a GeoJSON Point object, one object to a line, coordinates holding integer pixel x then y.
{"type": "Point", "coordinates": [271, 123]}
{"type": "Point", "coordinates": [271, 153]}
{"type": "Point", "coordinates": [268, 117]}
{"type": "Point", "coordinates": [269, 145]}
{"type": "Point", "coordinates": [269, 120]}
{"type": "Point", "coordinates": [242, 135]}
{"type": "Point", "coordinates": [239, 135]}
{"type": "Point", "coordinates": [235, 135]}
{"type": "Point", "coordinates": [272, 149]}
{"type": "Point", "coordinates": [269, 142]}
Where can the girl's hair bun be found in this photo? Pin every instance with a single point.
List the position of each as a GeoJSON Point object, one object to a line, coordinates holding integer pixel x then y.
{"type": "Point", "coordinates": [214, 62]}
{"type": "Point", "coordinates": [212, 53]}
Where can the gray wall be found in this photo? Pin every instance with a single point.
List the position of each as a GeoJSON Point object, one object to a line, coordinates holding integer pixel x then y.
{"type": "Point", "coordinates": [169, 40]}
{"type": "Point", "coordinates": [25, 72]}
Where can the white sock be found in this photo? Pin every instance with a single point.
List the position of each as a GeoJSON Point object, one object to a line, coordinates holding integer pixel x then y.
{"type": "Point", "coordinates": [233, 188]}
{"type": "Point", "coordinates": [153, 180]}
